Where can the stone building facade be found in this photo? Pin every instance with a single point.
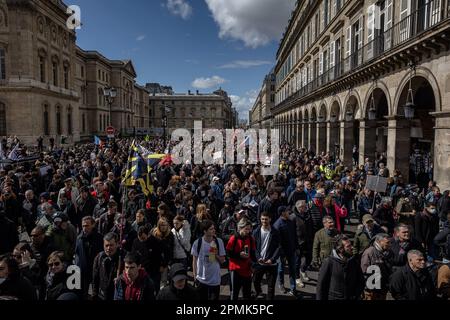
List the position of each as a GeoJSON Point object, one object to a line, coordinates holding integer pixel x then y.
{"type": "Point", "coordinates": [348, 73]}
{"type": "Point", "coordinates": [261, 112]}
{"type": "Point", "coordinates": [50, 87]}
{"type": "Point", "coordinates": [214, 109]}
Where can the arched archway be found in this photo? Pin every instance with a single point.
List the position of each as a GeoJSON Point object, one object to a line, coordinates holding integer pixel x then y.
{"type": "Point", "coordinates": [412, 141]}
{"type": "Point", "coordinates": [350, 132]}
{"type": "Point", "coordinates": [373, 133]}
{"type": "Point", "coordinates": [306, 141]}
{"type": "Point", "coordinates": [313, 129]}
{"type": "Point", "coordinates": [334, 129]}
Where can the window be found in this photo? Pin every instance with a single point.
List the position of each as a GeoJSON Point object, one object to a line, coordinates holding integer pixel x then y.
{"type": "Point", "coordinates": [2, 119]}
{"type": "Point", "coordinates": [69, 121]}
{"type": "Point", "coordinates": [58, 121]}
{"type": "Point", "coordinates": [55, 73]}
{"type": "Point", "coordinates": [99, 74]}
{"type": "Point", "coordinates": [83, 123]}
{"type": "Point", "coordinates": [46, 121]}
{"type": "Point", "coordinates": [66, 77]}
{"type": "Point", "coordinates": [42, 68]}
{"type": "Point", "coordinates": [2, 65]}
{"type": "Point", "coordinates": [82, 71]}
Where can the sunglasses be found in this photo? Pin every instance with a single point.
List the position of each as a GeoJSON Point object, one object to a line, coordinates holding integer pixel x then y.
{"type": "Point", "coordinates": [55, 264]}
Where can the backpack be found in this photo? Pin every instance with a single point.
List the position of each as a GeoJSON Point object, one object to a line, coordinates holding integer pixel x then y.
{"type": "Point", "coordinates": [200, 241]}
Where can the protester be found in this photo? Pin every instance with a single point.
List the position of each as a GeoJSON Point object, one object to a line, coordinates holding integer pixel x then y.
{"type": "Point", "coordinates": [208, 254]}
{"type": "Point", "coordinates": [267, 241]}
{"type": "Point", "coordinates": [413, 281]}
{"type": "Point", "coordinates": [340, 277]}
{"type": "Point", "coordinates": [324, 241]}
{"type": "Point", "coordinates": [241, 250]}
{"type": "Point", "coordinates": [134, 284]}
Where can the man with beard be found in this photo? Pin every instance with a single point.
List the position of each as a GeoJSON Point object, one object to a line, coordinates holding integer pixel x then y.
{"type": "Point", "coordinates": [340, 277]}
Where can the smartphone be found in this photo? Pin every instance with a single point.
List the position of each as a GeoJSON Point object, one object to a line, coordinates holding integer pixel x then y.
{"type": "Point", "coordinates": [246, 250]}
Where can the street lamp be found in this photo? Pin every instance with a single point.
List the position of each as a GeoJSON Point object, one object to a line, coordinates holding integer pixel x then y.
{"type": "Point", "coordinates": [409, 106]}
{"type": "Point", "coordinates": [110, 93]}
{"type": "Point", "coordinates": [372, 110]}
{"type": "Point", "coordinates": [166, 110]}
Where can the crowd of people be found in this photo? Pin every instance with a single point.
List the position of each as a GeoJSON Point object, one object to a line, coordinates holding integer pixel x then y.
{"type": "Point", "coordinates": [70, 208]}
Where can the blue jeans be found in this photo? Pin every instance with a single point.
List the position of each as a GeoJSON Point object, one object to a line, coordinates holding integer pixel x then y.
{"type": "Point", "coordinates": [291, 264]}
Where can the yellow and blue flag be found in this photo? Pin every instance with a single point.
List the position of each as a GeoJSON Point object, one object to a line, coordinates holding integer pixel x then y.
{"type": "Point", "coordinates": [140, 164]}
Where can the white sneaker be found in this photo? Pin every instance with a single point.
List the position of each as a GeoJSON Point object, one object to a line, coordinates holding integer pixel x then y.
{"type": "Point", "coordinates": [304, 277]}
{"type": "Point", "coordinates": [300, 283]}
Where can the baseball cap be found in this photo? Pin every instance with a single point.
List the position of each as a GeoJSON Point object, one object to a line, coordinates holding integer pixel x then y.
{"type": "Point", "coordinates": [178, 272]}
{"type": "Point", "coordinates": [367, 218]}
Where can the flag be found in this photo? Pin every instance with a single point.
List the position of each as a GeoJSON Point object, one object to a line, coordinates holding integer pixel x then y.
{"type": "Point", "coordinates": [15, 154]}
{"type": "Point", "coordinates": [99, 142]}
{"type": "Point", "coordinates": [147, 138]}
{"type": "Point", "coordinates": [139, 166]}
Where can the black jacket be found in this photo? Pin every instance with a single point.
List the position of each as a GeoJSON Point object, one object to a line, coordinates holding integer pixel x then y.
{"type": "Point", "coordinates": [385, 218]}
{"type": "Point", "coordinates": [86, 249]}
{"type": "Point", "coordinates": [160, 252]}
{"type": "Point", "coordinates": [273, 251]}
{"type": "Point", "coordinates": [57, 287]}
{"type": "Point", "coordinates": [270, 207]}
{"type": "Point", "coordinates": [103, 275]}
{"type": "Point", "coordinates": [407, 285]}
{"type": "Point", "coordinates": [400, 254]}
{"type": "Point", "coordinates": [426, 227]}
{"type": "Point", "coordinates": [8, 235]}
{"type": "Point", "coordinates": [170, 293]}
{"type": "Point", "coordinates": [20, 288]}
{"type": "Point", "coordinates": [305, 229]}
{"type": "Point", "coordinates": [339, 280]}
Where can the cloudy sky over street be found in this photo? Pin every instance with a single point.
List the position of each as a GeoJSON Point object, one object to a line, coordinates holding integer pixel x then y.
{"type": "Point", "coordinates": [190, 44]}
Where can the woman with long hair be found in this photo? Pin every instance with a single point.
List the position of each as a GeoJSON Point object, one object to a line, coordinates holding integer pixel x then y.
{"type": "Point", "coordinates": [160, 244]}
{"type": "Point", "coordinates": [200, 216]}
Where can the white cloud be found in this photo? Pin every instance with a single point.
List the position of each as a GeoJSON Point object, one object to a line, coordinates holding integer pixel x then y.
{"type": "Point", "coordinates": [255, 22]}
{"type": "Point", "coordinates": [205, 83]}
{"type": "Point", "coordinates": [244, 64]}
{"type": "Point", "coordinates": [141, 37]}
{"type": "Point", "coordinates": [179, 8]}
{"type": "Point", "coordinates": [243, 104]}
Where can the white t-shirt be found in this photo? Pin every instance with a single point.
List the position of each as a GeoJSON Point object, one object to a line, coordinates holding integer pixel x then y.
{"type": "Point", "coordinates": [264, 243]}
{"type": "Point", "coordinates": [208, 272]}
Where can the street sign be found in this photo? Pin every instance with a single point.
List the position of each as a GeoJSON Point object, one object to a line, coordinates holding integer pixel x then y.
{"type": "Point", "coordinates": [376, 183]}
{"type": "Point", "coordinates": [110, 131]}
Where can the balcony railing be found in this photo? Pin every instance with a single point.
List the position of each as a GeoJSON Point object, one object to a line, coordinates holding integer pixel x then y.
{"type": "Point", "coordinates": [412, 26]}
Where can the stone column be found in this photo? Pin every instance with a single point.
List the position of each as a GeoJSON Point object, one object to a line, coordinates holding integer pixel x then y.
{"type": "Point", "coordinates": [367, 140]}
{"type": "Point", "coordinates": [329, 142]}
{"type": "Point", "coordinates": [303, 134]}
{"type": "Point", "coordinates": [398, 148]}
{"type": "Point", "coordinates": [442, 150]}
{"type": "Point", "coordinates": [346, 143]}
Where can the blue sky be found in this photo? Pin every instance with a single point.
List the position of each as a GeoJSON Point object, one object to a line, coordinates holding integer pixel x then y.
{"type": "Point", "coordinates": [189, 44]}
